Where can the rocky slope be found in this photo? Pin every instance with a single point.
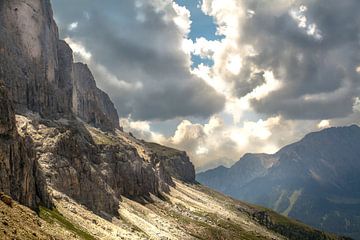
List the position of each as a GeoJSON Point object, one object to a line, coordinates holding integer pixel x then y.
{"type": "Point", "coordinates": [189, 212]}
{"type": "Point", "coordinates": [20, 222]}
{"type": "Point", "coordinates": [315, 180]}
{"type": "Point", "coordinates": [95, 167]}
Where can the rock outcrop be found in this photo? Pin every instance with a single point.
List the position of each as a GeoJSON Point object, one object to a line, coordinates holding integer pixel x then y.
{"type": "Point", "coordinates": [90, 103]}
{"type": "Point", "coordinates": [20, 176]}
{"type": "Point", "coordinates": [29, 60]}
{"type": "Point", "coordinates": [39, 72]}
{"type": "Point", "coordinates": [175, 162]}
{"type": "Point", "coordinates": [67, 135]}
{"type": "Point", "coordinates": [96, 168]}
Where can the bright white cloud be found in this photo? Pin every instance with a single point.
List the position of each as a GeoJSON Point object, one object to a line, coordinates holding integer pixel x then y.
{"type": "Point", "coordinates": [356, 106]}
{"type": "Point", "coordinates": [234, 64]}
{"type": "Point", "coordinates": [244, 71]}
{"type": "Point", "coordinates": [299, 15]}
{"type": "Point", "coordinates": [79, 49]}
{"type": "Point", "coordinates": [324, 124]}
{"type": "Point", "coordinates": [216, 142]}
{"type": "Point", "coordinates": [141, 129]}
{"type": "Point", "coordinates": [182, 18]}
{"type": "Point", "coordinates": [73, 26]}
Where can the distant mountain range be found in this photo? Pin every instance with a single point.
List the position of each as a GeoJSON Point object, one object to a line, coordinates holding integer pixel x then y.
{"type": "Point", "coordinates": [315, 180]}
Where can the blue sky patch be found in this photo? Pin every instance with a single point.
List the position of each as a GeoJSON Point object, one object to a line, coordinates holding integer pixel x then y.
{"type": "Point", "coordinates": [202, 26]}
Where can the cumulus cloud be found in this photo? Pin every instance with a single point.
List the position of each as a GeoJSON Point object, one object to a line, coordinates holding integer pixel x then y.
{"type": "Point", "coordinates": [280, 70]}
{"type": "Point", "coordinates": [311, 47]}
{"type": "Point", "coordinates": [217, 143]}
{"type": "Point", "coordinates": [138, 43]}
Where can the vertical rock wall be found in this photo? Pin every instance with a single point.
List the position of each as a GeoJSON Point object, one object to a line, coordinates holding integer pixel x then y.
{"type": "Point", "coordinates": [39, 72]}
{"type": "Point", "coordinates": [20, 176]}
{"type": "Point", "coordinates": [90, 103]}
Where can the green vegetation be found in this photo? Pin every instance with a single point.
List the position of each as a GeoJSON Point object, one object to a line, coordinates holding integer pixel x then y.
{"type": "Point", "coordinates": [53, 215]}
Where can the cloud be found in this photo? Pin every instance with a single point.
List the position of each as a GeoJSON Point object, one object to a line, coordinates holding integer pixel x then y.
{"type": "Point", "coordinates": [73, 26]}
{"type": "Point", "coordinates": [214, 143]}
{"type": "Point", "coordinates": [324, 124]}
{"type": "Point", "coordinates": [78, 49]}
{"type": "Point", "coordinates": [310, 47]}
{"type": "Point", "coordinates": [280, 70]}
{"type": "Point", "coordinates": [138, 43]}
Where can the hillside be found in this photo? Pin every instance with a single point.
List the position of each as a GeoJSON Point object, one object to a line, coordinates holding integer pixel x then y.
{"type": "Point", "coordinates": [315, 180]}
{"type": "Point", "coordinates": [187, 212]}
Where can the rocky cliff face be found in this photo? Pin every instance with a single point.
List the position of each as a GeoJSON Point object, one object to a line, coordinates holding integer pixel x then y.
{"type": "Point", "coordinates": [29, 62]}
{"type": "Point", "coordinates": [90, 103]}
{"type": "Point", "coordinates": [66, 136]}
{"type": "Point", "coordinates": [20, 176]}
{"type": "Point", "coordinates": [39, 72]}
{"type": "Point", "coordinates": [175, 162]}
{"type": "Point", "coordinates": [96, 168]}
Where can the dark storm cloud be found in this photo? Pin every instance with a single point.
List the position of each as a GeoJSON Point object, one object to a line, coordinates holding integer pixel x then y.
{"type": "Point", "coordinates": [136, 43]}
{"type": "Point", "coordinates": [316, 64]}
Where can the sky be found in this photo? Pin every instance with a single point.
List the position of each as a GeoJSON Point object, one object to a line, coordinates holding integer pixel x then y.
{"type": "Point", "coordinates": [220, 78]}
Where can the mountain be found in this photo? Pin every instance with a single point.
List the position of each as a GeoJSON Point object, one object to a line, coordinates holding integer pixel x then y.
{"type": "Point", "coordinates": [315, 180]}
{"type": "Point", "coordinates": [68, 171]}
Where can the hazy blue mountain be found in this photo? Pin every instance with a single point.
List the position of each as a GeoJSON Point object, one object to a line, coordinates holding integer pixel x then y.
{"type": "Point", "coordinates": [315, 180]}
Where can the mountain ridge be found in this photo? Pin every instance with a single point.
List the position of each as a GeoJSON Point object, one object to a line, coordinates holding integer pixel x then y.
{"type": "Point", "coordinates": [70, 125]}
{"type": "Point", "coordinates": [319, 172]}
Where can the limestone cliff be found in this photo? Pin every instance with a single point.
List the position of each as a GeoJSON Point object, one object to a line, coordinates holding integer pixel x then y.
{"type": "Point", "coordinates": [20, 176]}
{"type": "Point", "coordinates": [96, 168]}
{"type": "Point", "coordinates": [39, 72]}
{"type": "Point", "coordinates": [175, 162]}
{"type": "Point", "coordinates": [29, 60]}
{"type": "Point", "coordinates": [90, 103]}
{"type": "Point", "coordinates": [66, 126]}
